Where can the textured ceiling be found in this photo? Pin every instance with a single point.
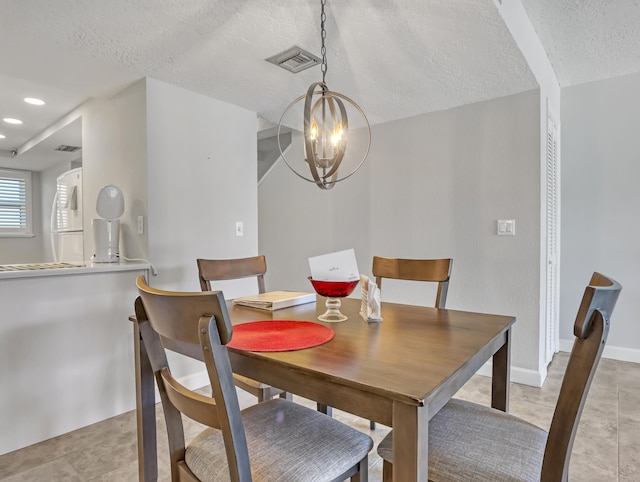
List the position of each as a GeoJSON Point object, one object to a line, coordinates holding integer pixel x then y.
{"type": "Point", "coordinates": [588, 40]}
{"type": "Point", "coordinates": [396, 58]}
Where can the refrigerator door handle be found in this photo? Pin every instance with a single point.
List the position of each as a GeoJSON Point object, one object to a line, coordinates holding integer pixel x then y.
{"type": "Point", "coordinates": [72, 201]}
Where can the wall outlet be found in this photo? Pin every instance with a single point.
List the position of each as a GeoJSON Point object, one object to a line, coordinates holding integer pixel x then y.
{"type": "Point", "coordinates": [239, 228]}
{"type": "Point", "coordinates": [140, 224]}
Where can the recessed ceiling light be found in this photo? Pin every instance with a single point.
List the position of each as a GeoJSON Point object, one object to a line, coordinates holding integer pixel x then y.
{"type": "Point", "coordinates": [34, 101]}
{"type": "Point", "coordinates": [2, 136]}
{"type": "Point", "coordinates": [9, 120]}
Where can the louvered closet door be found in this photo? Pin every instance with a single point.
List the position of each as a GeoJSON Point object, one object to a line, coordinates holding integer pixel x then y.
{"type": "Point", "coordinates": [553, 240]}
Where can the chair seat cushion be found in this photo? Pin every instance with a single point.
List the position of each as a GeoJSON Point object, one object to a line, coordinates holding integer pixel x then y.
{"type": "Point", "coordinates": [286, 442]}
{"type": "Point", "coordinates": [470, 442]}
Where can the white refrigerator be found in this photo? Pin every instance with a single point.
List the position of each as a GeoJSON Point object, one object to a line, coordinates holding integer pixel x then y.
{"type": "Point", "coordinates": [67, 238]}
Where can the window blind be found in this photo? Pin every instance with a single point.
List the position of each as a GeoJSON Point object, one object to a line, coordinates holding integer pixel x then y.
{"type": "Point", "coordinates": [14, 202]}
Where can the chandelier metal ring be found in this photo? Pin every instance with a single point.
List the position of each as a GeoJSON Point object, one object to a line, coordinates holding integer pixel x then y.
{"type": "Point", "coordinates": [327, 179]}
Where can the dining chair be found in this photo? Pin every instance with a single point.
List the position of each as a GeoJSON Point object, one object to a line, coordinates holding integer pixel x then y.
{"type": "Point", "coordinates": [469, 442]}
{"type": "Point", "coordinates": [274, 440]}
{"type": "Point", "coordinates": [430, 270]}
{"type": "Point", "coordinates": [238, 268]}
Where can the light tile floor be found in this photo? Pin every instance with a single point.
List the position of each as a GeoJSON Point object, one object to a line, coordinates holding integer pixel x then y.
{"type": "Point", "coordinates": [607, 446]}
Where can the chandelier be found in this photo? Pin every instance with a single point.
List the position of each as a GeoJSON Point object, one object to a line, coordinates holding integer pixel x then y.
{"type": "Point", "coordinates": [325, 129]}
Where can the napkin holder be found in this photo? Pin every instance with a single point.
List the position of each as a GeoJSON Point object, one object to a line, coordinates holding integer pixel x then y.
{"type": "Point", "coordinates": [370, 306]}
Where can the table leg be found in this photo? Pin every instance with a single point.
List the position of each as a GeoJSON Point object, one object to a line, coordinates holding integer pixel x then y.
{"type": "Point", "coordinates": [501, 375]}
{"type": "Point", "coordinates": [145, 411]}
{"type": "Point", "coordinates": [410, 442]}
{"type": "Point", "coordinates": [326, 409]}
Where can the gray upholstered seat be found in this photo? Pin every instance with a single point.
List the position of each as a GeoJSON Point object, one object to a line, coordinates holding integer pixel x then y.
{"type": "Point", "coordinates": [470, 442]}
{"type": "Point", "coordinates": [312, 446]}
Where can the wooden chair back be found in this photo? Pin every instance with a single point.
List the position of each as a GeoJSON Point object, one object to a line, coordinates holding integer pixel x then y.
{"type": "Point", "coordinates": [432, 270]}
{"type": "Point", "coordinates": [225, 269]}
{"type": "Point", "coordinates": [591, 328]}
{"type": "Point", "coordinates": [197, 320]}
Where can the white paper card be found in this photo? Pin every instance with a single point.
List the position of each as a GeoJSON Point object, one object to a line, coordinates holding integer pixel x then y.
{"type": "Point", "coordinates": [338, 266]}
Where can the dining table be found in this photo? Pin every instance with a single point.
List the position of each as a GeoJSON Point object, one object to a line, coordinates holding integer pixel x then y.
{"type": "Point", "coordinates": [398, 372]}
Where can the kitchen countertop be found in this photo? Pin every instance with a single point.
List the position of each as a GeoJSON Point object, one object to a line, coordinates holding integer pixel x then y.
{"type": "Point", "coordinates": [32, 270]}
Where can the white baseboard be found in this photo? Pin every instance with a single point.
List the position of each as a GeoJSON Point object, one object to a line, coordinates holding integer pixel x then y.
{"type": "Point", "coordinates": [535, 378]}
{"type": "Point", "coordinates": [612, 352]}
{"type": "Point", "coordinates": [523, 376]}
{"type": "Point", "coordinates": [195, 380]}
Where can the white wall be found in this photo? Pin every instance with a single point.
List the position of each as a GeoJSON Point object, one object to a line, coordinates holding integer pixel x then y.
{"type": "Point", "coordinates": [66, 354]}
{"type": "Point", "coordinates": [517, 21]}
{"type": "Point", "coordinates": [201, 168]}
{"type": "Point", "coordinates": [194, 160]}
{"type": "Point", "coordinates": [601, 202]}
{"type": "Point", "coordinates": [114, 147]}
{"type": "Point", "coordinates": [202, 162]}
{"type": "Point", "coordinates": [185, 162]}
{"type": "Point", "coordinates": [433, 186]}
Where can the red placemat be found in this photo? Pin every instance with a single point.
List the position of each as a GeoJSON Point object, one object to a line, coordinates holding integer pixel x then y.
{"type": "Point", "coordinates": [279, 335]}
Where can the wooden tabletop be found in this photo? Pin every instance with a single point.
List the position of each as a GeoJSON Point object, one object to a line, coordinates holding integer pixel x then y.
{"type": "Point", "coordinates": [407, 357]}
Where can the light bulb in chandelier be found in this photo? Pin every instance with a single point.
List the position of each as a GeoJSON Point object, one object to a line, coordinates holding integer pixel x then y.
{"type": "Point", "coordinates": [325, 126]}
{"type": "Point", "coordinates": [323, 146]}
{"type": "Point", "coordinates": [336, 135]}
{"type": "Point", "coordinates": [313, 131]}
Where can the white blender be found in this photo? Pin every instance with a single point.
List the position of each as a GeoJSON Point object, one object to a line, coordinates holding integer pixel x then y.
{"type": "Point", "coordinates": [106, 231]}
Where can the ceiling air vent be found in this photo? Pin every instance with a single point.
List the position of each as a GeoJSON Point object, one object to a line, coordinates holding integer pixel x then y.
{"type": "Point", "coordinates": [294, 59]}
{"type": "Point", "coordinates": [65, 148]}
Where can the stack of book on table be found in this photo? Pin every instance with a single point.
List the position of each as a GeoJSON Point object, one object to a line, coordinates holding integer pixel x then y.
{"type": "Point", "coordinates": [276, 300]}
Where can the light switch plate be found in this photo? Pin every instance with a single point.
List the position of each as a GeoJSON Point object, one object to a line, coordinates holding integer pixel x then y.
{"type": "Point", "coordinates": [140, 224]}
{"type": "Point", "coordinates": [506, 227]}
{"type": "Point", "coordinates": [239, 228]}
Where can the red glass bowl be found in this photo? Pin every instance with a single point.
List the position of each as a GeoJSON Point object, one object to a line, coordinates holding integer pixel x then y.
{"type": "Point", "coordinates": [334, 289]}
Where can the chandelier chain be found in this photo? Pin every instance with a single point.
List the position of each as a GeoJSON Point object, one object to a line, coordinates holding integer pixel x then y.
{"type": "Point", "coordinates": [323, 36]}
{"type": "Point", "coordinates": [325, 127]}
